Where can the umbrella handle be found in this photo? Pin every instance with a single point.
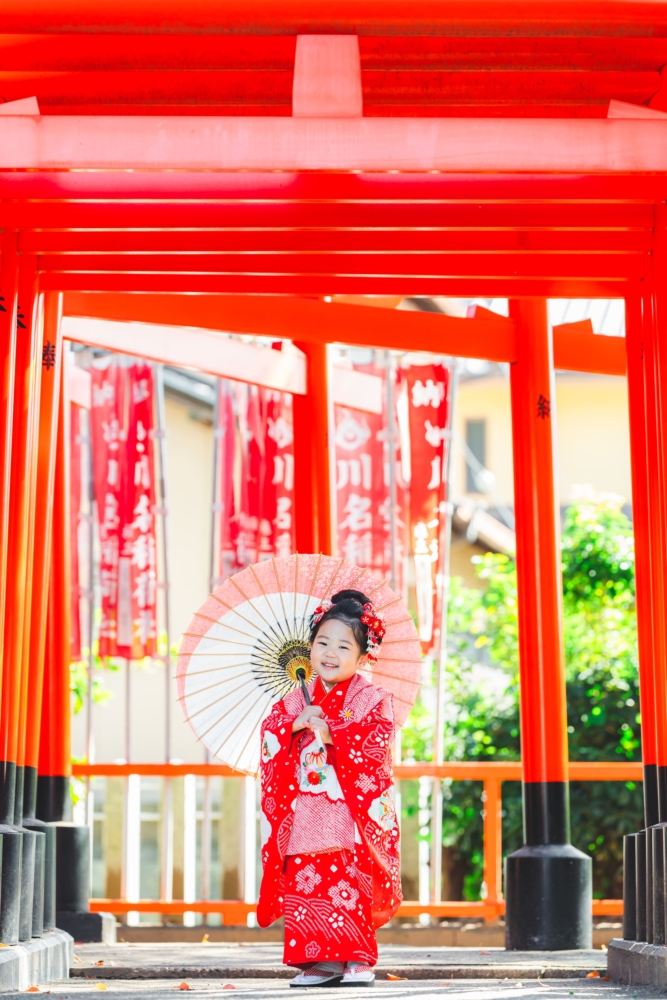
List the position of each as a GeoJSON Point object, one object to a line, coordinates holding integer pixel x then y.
{"type": "Point", "coordinates": [301, 674]}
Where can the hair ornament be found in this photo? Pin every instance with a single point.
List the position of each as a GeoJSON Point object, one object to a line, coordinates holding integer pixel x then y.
{"type": "Point", "coordinates": [375, 627]}
{"type": "Point", "coordinates": [321, 610]}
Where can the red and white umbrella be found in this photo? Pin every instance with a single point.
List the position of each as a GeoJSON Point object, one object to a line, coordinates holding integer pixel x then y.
{"type": "Point", "coordinates": [244, 646]}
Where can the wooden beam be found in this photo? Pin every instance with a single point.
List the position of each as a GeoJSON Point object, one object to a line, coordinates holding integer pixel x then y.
{"type": "Point", "coordinates": [304, 319]}
{"type": "Point", "coordinates": [366, 144]}
{"type": "Point", "coordinates": [578, 349]}
{"type": "Point", "coordinates": [325, 265]}
{"type": "Point", "coordinates": [209, 352]}
{"type": "Point", "coordinates": [486, 336]}
{"type": "Point", "coordinates": [388, 17]}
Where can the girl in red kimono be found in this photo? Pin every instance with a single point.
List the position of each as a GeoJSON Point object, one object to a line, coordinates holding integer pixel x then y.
{"type": "Point", "coordinates": [330, 851]}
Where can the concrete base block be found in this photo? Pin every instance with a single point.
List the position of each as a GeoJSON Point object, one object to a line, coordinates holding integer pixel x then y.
{"type": "Point", "coordinates": [39, 961]}
{"type": "Point", "coordinates": [88, 927]}
{"type": "Point", "coordinates": [637, 963]}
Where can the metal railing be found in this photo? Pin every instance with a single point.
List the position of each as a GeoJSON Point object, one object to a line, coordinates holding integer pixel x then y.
{"type": "Point", "coordinates": [240, 911]}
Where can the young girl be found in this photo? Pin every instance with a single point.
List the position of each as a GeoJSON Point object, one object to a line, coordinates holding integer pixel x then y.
{"type": "Point", "coordinates": [330, 852]}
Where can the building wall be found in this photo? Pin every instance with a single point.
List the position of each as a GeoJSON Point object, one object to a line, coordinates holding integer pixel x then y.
{"type": "Point", "coordinates": [592, 433]}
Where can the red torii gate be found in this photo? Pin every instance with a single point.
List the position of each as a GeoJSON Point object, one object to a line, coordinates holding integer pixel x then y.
{"type": "Point", "coordinates": [316, 147]}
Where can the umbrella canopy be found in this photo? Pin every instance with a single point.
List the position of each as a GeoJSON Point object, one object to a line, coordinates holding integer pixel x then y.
{"type": "Point", "coordinates": [246, 643]}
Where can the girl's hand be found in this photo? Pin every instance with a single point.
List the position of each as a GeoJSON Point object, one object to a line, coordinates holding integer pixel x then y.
{"type": "Point", "coordinates": [303, 720]}
{"type": "Point", "coordinates": [319, 725]}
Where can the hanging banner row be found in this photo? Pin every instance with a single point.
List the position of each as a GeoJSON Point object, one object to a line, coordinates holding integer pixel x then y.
{"type": "Point", "coordinates": [393, 524]}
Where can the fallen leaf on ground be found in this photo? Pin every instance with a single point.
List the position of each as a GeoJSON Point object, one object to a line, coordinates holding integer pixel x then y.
{"type": "Point", "coordinates": [593, 975]}
{"type": "Point", "coordinates": [33, 989]}
{"type": "Point", "coordinates": [204, 940]}
{"type": "Point", "coordinates": [100, 986]}
{"type": "Point", "coordinates": [182, 986]}
{"type": "Point", "coordinates": [76, 958]}
{"type": "Point", "coordinates": [396, 979]}
{"type": "Point", "coordinates": [485, 952]}
{"type": "Point", "coordinates": [229, 986]}
{"type": "Point", "coordinates": [101, 962]}
{"type": "Point", "coordinates": [605, 979]}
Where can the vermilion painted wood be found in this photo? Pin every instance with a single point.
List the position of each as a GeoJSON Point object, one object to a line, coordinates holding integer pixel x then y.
{"type": "Point", "coordinates": [314, 322]}
{"type": "Point", "coordinates": [32, 452]}
{"type": "Point", "coordinates": [197, 88]}
{"type": "Point", "coordinates": [325, 285]}
{"type": "Point", "coordinates": [366, 144]}
{"type": "Point", "coordinates": [612, 199]}
{"type": "Point", "coordinates": [460, 770]}
{"type": "Point", "coordinates": [192, 348]}
{"type": "Point", "coordinates": [255, 51]}
{"type": "Point", "coordinates": [657, 416]}
{"type": "Point", "coordinates": [309, 240]}
{"type": "Point", "coordinates": [20, 512]}
{"type": "Point", "coordinates": [613, 266]}
{"type": "Point", "coordinates": [211, 91]}
{"type": "Point", "coordinates": [541, 655]}
{"type": "Point", "coordinates": [581, 351]}
{"type": "Point", "coordinates": [234, 911]}
{"type": "Point", "coordinates": [41, 563]}
{"type": "Point", "coordinates": [312, 457]}
{"type": "Point", "coordinates": [641, 487]}
{"type": "Point", "coordinates": [491, 337]}
{"type": "Point", "coordinates": [271, 17]}
{"type": "Point", "coordinates": [55, 752]}
{"type": "Point", "coordinates": [656, 526]}
{"type": "Point", "coordinates": [9, 291]}
{"type": "Point", "coordinates": [285, 210]}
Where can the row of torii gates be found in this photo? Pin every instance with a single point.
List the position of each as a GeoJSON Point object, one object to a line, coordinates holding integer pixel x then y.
{"type": "Point", "coordinates": [249, 220]}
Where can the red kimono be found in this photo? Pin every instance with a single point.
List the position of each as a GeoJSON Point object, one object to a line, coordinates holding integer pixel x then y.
{"type": "Point", "coordinates": [330, 839]}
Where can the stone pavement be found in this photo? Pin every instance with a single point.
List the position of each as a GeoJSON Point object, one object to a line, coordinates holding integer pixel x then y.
{"type": "Point", "coordinates": [266, 989]}
{"type": "Point", "coordinates": [261, 960]}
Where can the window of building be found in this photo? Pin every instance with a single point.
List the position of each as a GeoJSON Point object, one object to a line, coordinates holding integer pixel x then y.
{"type": "Point", "coordinates": [476, 441]}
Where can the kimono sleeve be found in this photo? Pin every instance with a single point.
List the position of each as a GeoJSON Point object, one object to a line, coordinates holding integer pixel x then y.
{"type": "Point", "coordinates": [276, 736]}
{"type": "Point", "coordinates": [279, 766]}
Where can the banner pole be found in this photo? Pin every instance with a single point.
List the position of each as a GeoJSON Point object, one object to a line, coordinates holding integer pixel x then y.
{"type": "Point", "coordinates": [391, 448]}
{"type": "Point", "coordinates": [441, 661]}
{"type": "Point", "coordinates": [167, 817]}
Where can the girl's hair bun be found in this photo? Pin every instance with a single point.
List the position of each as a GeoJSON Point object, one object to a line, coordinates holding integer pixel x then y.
{"type": "Point", "coordinates": [350, 595]}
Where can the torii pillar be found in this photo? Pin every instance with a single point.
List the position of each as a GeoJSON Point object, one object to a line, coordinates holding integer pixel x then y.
{"type": "Point", "coordinates": [548, 882]}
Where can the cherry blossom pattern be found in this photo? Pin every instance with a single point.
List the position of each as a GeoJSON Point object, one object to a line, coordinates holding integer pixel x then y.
{"type": "Point", "coordinates": [307, 879]}
{"type": "Point", "coordinates": [312, 949]}
{"type": "Point", "coordinates": [300, 913]}
{"type": "Point", "coordinates": [356, 756]}
{"type": "Point", "coordinates": [343, 895]}
{"type": "Point", "coordinates": [336, 920]}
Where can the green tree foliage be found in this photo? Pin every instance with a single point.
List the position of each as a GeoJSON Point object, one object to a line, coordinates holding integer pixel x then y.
{"type": "Point", "coordinates": [482, 716]}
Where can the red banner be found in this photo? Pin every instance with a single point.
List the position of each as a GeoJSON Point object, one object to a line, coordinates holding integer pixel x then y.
{"type": "Point", "coordinates": [108, 438]}
{"type": "Point", "coordinates": [255, 477]}
{"type": "Point", "coordinates": [361, 495]}
{"type": "Point", "coordinates": [137, 567]}
{"type": "Point", "coordinates": [277, 525]}
{"type": "Point", "coordinates": [363, 501]}
{"type": "Point", "coordinates": [122, 425]}
{"type": "Point", "coordinates": [427, 389]}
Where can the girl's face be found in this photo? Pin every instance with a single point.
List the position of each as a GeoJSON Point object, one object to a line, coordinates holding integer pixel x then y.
{"type": "Point", "coordinates": [335, 654]}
